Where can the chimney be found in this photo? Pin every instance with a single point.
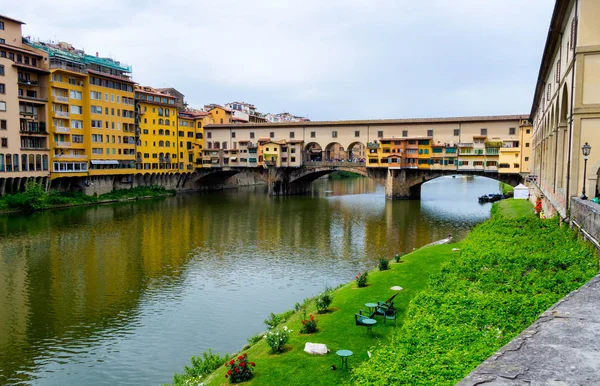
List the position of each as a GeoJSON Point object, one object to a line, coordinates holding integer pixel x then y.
{"type": "Point", "coordinates": [96, 54]}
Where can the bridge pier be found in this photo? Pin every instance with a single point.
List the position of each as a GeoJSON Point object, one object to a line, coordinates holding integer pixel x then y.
{"type": "Point", "coordinates": [398, 186]}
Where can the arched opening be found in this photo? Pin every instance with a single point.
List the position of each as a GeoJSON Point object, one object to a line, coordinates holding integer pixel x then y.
{"type": "Point", "coordinates": [335, 152]}
{"type": "Point", "coordinates": [313, 152]}
{"type": "Point", "coordinates": [357, 152]}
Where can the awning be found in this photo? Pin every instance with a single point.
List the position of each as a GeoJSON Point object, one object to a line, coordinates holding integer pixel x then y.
{"type": "Point", "coordinates": [104, 162]}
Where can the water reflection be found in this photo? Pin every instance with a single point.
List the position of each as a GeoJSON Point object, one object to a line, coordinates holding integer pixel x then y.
{"type": "Point", "coordinates": [126, 293]}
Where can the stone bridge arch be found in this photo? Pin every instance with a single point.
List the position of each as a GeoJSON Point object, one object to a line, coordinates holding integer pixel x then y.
{"type": "Point", "coordinates": [407, 183]}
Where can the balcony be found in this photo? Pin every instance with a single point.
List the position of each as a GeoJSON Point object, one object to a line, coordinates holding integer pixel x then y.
{"type": "Point", "coordinates": [28, 114]}
{"type": "Point", "coordinates": [33, 99]}
{"type": "Point", "coordinates": [33, 127]}
{"type": "Point", "coordinates": [27, 82]}
{"type": "Point", "coordinates": [372, 145]}
{"type": "Point", "coordinates": [61, 129]}
{"type": "Point", "coordinates": [63, 114]}
{"type": "Point", "coordinates": [60, 99]}
{"type": "Point", "coordinates": [62, 144]}
{"type": "Point", "coordinates": [77, 156]}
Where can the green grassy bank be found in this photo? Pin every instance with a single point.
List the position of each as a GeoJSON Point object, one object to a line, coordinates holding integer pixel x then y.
{"type": "Point", "coordinates": [35, 198]}
{"type": "Point", "coordinates": [456, 309]}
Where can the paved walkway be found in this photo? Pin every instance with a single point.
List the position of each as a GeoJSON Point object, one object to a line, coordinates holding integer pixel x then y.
{"type": "Point", "coordinates": [561, 348]}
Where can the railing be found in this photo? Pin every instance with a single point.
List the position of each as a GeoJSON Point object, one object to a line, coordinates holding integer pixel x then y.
{"type": "Point", "coordinates": [346, 164]}
{"type": "Point", "coordinates": [28, 114]}
{"type": "Point", "coordinates": [33, 98]}
{"type": "Point", "coordinates": [27, 82]}
{"type": "Point", "coordinates": [63, 144]}
{"type": "Point", "coordinates": [61, 98]}
{"type": "Point", "coordinates": [79, 156]}
{"type": "Point", "coordinates": [61, 129]}
{"type": "Point", "coordinates": [61, 114]}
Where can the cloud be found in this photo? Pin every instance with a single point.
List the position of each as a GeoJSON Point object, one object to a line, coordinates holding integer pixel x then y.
{"type": "Point", "coordinates": [329, 60]}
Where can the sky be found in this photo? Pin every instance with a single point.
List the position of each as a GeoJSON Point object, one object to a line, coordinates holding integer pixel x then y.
{"type": "Point", "coordinates": [324, 59]}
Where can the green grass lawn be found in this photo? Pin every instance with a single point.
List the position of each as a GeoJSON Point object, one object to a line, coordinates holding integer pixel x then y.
{"type": "Point", "coordinates": [512, 209]}
{"type": "Point", "coordinates": [337, 328]}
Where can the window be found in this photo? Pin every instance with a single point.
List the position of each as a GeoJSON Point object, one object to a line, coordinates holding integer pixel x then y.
{"type": "Point", "coordinates": [483, 131]}
{"type": "Point", "coordinates": [292, 134]}
{"type": "Point", "coordinates": [380, 134]}
{"type": "Point", "coordinates": [233, 135]}
{"type": "Point", "coordinates": [528, 131]}
{"type": "Point", "coordinates": [313, 134]}
{"type": "Point", "coordinates": [96, 124]}
{"type": "Point", "coordinates": [2, 69]}
{"type": "Point", "coordinates": [76, 124]}
{"type": "Point", "coordinates": [2, 124]}
{"type": "Point", "coordinates": [2, 106]}
{"type": "Point", "coordinates": [430, 133]}
{"type": "Point", "coordinates": [456, 132]}
{"type": "Point", "coordinates": [251, 134]}
{"type": "Point", "coordinates": [526, 159]}
{"type": "Point", "coordinates": [526, 144]}
{"type": "Point", "coordinates": [96, 109]}
{"type": "Point", "coordinates": [272, 134]}
{"type": "Point", "coordinates": [357, 133]}
{"type": "Point", "coordinates": [2, 88]}
{"type": "Point", "coordinates": [1, 25]}
{"type": "Point", "coordinates": [95, 95]}
{"type": "Point", "coordinates": [334, 134]}
{"type": "Point", "coordinates": [405, 133]}
{"type": "Point", "coordinates": [4, 142]}
{"type": "Point", "coordinates": [511, 131]}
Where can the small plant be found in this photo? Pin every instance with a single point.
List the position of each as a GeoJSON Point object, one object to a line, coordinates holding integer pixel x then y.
{"type": "Point", "coordinates": [309, 325]}
{"type": "Point", "coordinates": [384, 264]}
{"type": "Point", "coordinates": [361, 279]}
{"type": "Point", "coordinates": [278, 338]}
{"type": "Point", "coordinates": [254, 339]}
{"type": "Point", "coordinates": [201, 367]}
{"type": "Point", "coordinates": [324, 300]}
{"type": "Point", "coordinates": [398, 257]}
{"type": "Point", "coordinates": [239, 369]}
{"type": "Point", "coordinates": [275, 319]}
{"type": "Point", "coordinates": [297, 307]}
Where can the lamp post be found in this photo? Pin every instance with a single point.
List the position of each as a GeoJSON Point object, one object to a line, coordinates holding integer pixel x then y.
{"type": "Point", "coordinates": [585, 149]}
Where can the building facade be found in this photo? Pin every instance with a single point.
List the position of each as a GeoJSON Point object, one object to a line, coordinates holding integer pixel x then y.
{"type": "Point", "coordinates": [24, 135]}
{"type": "Point", "coordinates": [566, 106]}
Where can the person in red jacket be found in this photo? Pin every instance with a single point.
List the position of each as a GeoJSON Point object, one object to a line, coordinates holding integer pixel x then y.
{"type": "Point", "coordinates": [538, 206]}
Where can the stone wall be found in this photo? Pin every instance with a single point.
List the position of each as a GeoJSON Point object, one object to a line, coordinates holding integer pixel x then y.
{"type": "Point", "coordinates": [585, 216]}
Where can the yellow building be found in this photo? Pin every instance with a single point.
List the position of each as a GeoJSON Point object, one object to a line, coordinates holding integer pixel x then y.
{"type": "Point", "coordinates": [91, 115]}
{"type": "Point", "coordinates": [424, 149]}
{"type": "Point", "coordinates": [158, 145]}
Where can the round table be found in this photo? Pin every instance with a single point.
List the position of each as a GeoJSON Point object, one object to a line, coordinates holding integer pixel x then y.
{"type": "Point", "coordinates": [370, 323]}
{"type": "Point", "coordinates": [344, 354]}
{"type": "Point", "coordinates": [372, 307]}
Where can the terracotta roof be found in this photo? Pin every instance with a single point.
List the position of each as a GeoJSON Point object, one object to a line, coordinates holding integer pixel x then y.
{"type": "Point", "coordinates": [23, 50]}
{"type": "Point", "coordinates": [125, 80]}
{"type": "Point", "coordinates": [388, 121]}
{"type": "Point", "coordinates": [11, 19]}
{"type": "Point", "coordinates": [561, 8]}
{"type": "Point", "coordinates": [260, 139]}
{"type": "Point", "coordinates": [403, 138]}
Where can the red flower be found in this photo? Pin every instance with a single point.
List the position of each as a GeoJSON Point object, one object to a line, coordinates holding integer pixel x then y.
{"type": "Point", "coordinates": [237, 370]}
{"type": "Point", "coordinates": [243, 364]}
{"type": "Point", "coordinates": [240, 358]}
{"type": "Point", "coordinates": [229, 372]}
{"type": "Point", "coordinates": [253, 364]}
{"type": "Point", "coordinates": [231, 362]}
{"type": "Point", "coordinates": [245, 355]}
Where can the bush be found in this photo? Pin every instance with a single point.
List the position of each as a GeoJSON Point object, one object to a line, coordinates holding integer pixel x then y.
{"type": "Point", "coordinates": [324, 300]}
{"type": "Point", "coordinates": [398, 257]}
{"type": "Point", "coordinates": [309, 325]}
{"type": "Point", "coordinates": [201, 367]}
{"type": "Point", "coordinates": [254, 339]}
{"type": "Point", "coordinates": [239, 369]}
{"type": "Point", "coordinates": [275, 319]}
{"type": "Point", "coordinates": [277, 339]}
{"type": "Point", "coordinates": [384, 264]}
{"type": "Point", "coordinates": [362, 279]}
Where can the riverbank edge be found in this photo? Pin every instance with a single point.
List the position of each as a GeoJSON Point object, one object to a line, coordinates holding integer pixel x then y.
{"type": "Point", "coordinates": [212, 377]}
{"type": "Point", "coordinates": [100, 202]}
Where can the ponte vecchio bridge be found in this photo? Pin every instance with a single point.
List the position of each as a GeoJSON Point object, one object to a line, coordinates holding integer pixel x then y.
{"type": "Point", "coordinates": [400, 154]}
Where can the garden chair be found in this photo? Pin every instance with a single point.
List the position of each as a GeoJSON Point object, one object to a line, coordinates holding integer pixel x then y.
{"type": "Point", "coordinates": [390, 314]}
{"type": "Point", "coordinates": [358, 318]}
{"type": "Point", "coordinates": [388, 303]}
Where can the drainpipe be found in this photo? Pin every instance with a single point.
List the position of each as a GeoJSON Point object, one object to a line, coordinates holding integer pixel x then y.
{"type": "Point", "coordinates": [576, 19]}
{"type": "Point", "coordinates": [557, 121]}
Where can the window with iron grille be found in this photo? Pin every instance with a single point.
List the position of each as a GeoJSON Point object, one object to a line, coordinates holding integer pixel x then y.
{"type": "Point", "coordinates": [405, 133]}
{"type": "Point", "coordinates": [380, 134]}
{"type": "Point", "coordinates": [430, 133]}
{"type": "Point", "coordinates": [456, 132]}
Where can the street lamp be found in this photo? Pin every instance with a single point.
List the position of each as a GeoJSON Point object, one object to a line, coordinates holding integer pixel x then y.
{"type": "Point", "coordinates": [586, 152]}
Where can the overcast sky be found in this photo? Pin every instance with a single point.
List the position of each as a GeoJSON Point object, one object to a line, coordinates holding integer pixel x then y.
{"type": "Point", "coordinates": [325, 59]}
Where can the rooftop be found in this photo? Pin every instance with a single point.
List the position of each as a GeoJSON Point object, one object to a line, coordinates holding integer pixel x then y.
{"type": "Point", "coordinates": [381, 121]}
{"type": "Point", "coordinates": [11, 19]}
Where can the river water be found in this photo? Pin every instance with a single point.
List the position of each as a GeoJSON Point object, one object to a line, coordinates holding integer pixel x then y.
{"type": "Point", "coordinates": [124, 294]}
